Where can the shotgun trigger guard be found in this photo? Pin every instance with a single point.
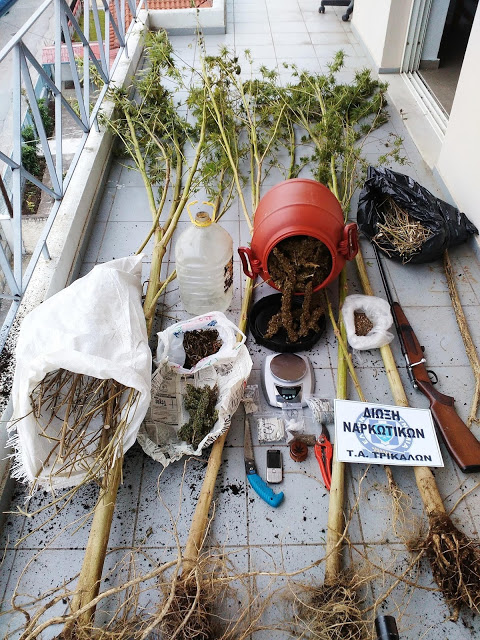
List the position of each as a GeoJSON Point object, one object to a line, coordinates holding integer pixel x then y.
{"type": "Point", "coordinates": [433, 376]}
{"type": "Point", "coordinates": [414, 364]}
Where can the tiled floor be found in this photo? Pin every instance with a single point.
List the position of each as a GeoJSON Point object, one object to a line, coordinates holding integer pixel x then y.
{"type": "Point", "coordinates": [151, 510]}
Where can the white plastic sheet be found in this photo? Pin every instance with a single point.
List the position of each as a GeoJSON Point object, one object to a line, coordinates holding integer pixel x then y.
{"type": "Point", "coordinates": [94, 327]}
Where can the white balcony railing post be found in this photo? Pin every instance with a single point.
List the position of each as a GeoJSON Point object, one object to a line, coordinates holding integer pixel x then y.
{"type": "Point", "coordinates": [27, 68]}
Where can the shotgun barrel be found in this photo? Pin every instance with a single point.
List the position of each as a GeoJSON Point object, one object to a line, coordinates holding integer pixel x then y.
{"type": "Point", "coordinates": [459, 440]}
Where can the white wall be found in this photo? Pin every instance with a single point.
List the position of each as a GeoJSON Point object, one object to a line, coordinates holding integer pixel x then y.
{"type": "Point", "coordinates": [370, 19]}
{"type": "Point", "coordinates": [382, 25]}
{"type": "Point", "coordinates": [459, 160]}
{"type": "Point", "coordinates": [436, 24]}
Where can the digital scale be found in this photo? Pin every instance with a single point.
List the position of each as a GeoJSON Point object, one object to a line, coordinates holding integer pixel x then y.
{"type": "Point", "coordinates": [287, 377]}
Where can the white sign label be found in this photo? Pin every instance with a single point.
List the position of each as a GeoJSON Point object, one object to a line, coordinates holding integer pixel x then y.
{"type": "Point", "coordinates": [382, 434]}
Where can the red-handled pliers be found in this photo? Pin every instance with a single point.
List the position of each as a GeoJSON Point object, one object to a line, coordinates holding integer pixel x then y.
{"type": "Point", "coordinates": [324, 454]}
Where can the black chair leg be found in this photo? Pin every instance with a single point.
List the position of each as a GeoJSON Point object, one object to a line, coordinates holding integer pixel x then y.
{"type": "Point", "coordinates": [348, 12]}
{"type": "Point", "coordinates": [337, 3]}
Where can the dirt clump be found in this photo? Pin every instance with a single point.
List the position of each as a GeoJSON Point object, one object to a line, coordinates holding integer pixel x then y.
{"type": "Point", "coordinates": [199, 344]}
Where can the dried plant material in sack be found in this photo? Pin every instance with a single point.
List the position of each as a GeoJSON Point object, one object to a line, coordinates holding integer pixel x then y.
{"type": "Point", "coordinates": [200, 403]}
{"type": "Point", "coordinates": [400, 231]}
{"type": "Point", "coordinates": [199, 342]}
{"type": "Point", "coordinates": [227, 370]}
{"type": "Point", "coordinates": [372, 311]}
{"type": "Point", "coordinates": [80, 353]}
{"type": "Point", "coordinates": [419, 227]}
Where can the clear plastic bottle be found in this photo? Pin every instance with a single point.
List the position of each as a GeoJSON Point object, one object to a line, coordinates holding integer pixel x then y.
{"type": "Point", "coordinates": [204, 262]}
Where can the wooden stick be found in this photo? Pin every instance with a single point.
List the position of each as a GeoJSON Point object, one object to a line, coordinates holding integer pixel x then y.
{"type": "Point", "coordinates": [426, 484]}
{"type": "Point", "coordinates": [200, 517]}
{"type": "Point", "coordinates": [335, 522]}
{"type": "Point", "coordinates": [91, 573]}
{"type": "Point", "coordinates": [466, 336]}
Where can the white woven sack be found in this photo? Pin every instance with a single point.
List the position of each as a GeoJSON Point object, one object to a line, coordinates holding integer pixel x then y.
{"type": "Point", "coordinates": [94, 327]}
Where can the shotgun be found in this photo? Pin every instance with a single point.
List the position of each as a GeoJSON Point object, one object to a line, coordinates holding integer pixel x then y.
{"type": "Point", "coordinates": [459, 440]}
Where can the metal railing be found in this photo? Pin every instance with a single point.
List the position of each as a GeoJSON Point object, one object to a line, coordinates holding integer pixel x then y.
{"type": "Point", "coordinates": [116, 17]}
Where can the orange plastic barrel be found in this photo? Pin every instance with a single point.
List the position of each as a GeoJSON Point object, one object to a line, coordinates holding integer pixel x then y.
{"type": "Point", "coordinates": [299, 207]}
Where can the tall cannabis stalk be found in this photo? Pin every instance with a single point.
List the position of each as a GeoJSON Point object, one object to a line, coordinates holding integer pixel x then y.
{"type": "Point", "coordinates": [154, 136]}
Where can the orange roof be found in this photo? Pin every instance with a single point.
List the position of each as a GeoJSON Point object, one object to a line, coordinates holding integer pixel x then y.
{"type": "Point", "coordinates": [48, 53]}
{"type": "Point", "coordinates": [157, 4]}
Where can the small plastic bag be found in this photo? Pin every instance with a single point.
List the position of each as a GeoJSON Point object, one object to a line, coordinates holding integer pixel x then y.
{"type": "Point", "coordinates": [294, 421]}
{"type": "Point", "coordinates": [270, 428]}
{"type": "Point", "coordinates": [377, 311]}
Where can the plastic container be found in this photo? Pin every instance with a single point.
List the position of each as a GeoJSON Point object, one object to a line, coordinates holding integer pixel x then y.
{"type": "Point", "coordinates": [204, 262]}
{"type": "Point", "coordinates": [260, 316]}
{"type": "Point", "coordinates": [299, 207]}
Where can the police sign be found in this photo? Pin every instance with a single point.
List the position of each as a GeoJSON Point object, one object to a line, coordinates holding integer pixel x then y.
{"type": "Point", "coordinates": [382, 434]}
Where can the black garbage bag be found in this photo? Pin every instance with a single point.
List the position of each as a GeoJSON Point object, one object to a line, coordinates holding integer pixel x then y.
{"type": "Point", "coordinates": [447, 226]}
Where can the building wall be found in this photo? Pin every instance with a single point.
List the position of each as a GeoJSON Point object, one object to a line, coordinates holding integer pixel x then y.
{"type": "Point", "coordinates": [370, 19]}
{"type": "Point", "coordinates": [459, 160]}
{"type": "Point", "coordinates": [436, 24]}
{"type": "Point", "coordinates": [382, 25]}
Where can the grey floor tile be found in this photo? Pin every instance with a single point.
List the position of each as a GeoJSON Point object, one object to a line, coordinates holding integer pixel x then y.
{"type": "Point", "coordinates": [420, 613]}
{"type": "Point", "coordinates": [167, 501]}
{"type": "Point", "coordinates": [8, 559]}
{"type": "Point", "coordinates": [14, 523]}
{"type": "Point", "coordinates": [122, 239]}
{"type": "Point", "coordinates": [70, 527]}
{"type": "Point", "coordinates": [329, 50]}
{"type": "Point", "coordinates": [324, 38]}
{"type": "Point", "coordinates": [284, 17]}
{"type": "Point", "coordinates": [354, 61]}
{"type": "Point", "coordinates": [279, 592]}
{"type": "Point", "coordinates": [36, 584]}
{"type": "Point", "coordinates": [246, 17]}
{"type": "Point", "coordinates": [437, 331]}
{"type": "Point", "coordinates": [246, 28]}
{"type": "Point", "coordinates": [130, 176]}
{"type": "Point", "coordinates": [132, 205]}
{"type": "Point", "coordinates": [107, 202]}
{"type": "Point", "coordinates": [319, 25]}
{"type": "Point", "coordinates": [229, 526]}
{"type": "Point", "coordinates": [305, 502]}
{"type": "Point", "coordinates": [95, 242]}
{"type": "Point", "coordinates": [260, 53]}
{"type": "Point", "coordinates": [289, 51]}
{"type": "Point", "coordinates": [245, 40]}
{"type": "Point", "coordinates": [293, 25]}
{"type": "Point", "coordinates": [300, 38]}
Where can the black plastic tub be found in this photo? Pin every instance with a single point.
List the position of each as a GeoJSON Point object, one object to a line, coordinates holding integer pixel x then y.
{"type": "Point", "coordinates": [261, 314]}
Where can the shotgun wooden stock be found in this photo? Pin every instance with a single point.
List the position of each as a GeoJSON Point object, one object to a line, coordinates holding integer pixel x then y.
{"type": "Point", "coordinates": [459, 440]}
